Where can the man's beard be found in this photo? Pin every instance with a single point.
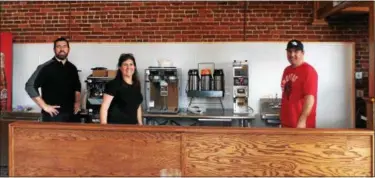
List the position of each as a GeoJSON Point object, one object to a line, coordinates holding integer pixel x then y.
{"type": "Point", "coordinates": [61, 56]}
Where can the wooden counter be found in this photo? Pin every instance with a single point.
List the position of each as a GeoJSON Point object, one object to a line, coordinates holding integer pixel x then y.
{"type": "Point", "coordinates": [5, 119]}
{"type": "Point", "coordinates": [62, 149]}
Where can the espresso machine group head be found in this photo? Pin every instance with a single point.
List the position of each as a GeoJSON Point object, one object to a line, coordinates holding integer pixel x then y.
{"type": "Point", "coordinates": [240, 87]}
{"type": "Point", "coordinates": [162, 89]}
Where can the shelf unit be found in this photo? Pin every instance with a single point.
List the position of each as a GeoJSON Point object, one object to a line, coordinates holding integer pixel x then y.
{"type": "Point", "coordinates": [218, 94]}
{"type": "Point", "coordinates": [206, 94]}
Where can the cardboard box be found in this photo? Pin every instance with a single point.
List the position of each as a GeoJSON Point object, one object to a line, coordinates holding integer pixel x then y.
{"type": "Point", "coordinates": [99, 73]}
{"type": "Point", "coordinates": [111, 73]}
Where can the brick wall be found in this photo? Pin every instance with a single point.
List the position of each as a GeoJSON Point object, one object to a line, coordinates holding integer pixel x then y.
{"type": "Point", "coordinates": [34, 21]}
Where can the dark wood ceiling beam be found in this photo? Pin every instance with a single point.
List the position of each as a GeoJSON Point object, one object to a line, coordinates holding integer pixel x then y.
{"type": "Point", "coordinates": [329, 9]}
{"type": "Point", "coordinates": [317, 6]}
{"type": "Point", "coordinates": [355, 10]}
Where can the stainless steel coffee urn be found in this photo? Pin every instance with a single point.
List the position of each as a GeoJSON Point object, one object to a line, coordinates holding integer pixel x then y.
{"type": "Point", "coordinates": [206, 80]}
{"type": "Point", "coordinates": [218, 80]}
{"type": "Point", "coordinates": [193, 80]}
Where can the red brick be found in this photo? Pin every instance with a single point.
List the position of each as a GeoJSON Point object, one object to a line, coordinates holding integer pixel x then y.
{"type": "Point", "coordinates": [176, 21]}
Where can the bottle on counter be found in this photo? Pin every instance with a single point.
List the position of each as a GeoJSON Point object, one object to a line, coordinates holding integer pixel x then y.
{"type": "Point", "coordinates": [90, 115]}
{"type": "Point", "coordinates": [3, 84]}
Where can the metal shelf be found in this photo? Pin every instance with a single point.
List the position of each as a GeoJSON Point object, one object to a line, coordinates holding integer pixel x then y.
{"type": "Point", "coordinates": [100, 78]}
{"type": "Point", "coordinates": [205, 94]}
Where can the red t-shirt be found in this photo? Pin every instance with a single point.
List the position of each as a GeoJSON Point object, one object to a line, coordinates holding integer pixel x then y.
{"type": "Point", "coordinates": [296, 83]}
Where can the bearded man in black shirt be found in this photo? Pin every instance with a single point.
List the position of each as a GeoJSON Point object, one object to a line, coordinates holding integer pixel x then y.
{"type": "Point", "coordinates": [60, 85]}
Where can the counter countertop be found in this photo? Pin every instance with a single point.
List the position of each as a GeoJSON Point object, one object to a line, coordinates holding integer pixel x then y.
{"type": "Point", "coordinates": [123, 127]}
{"type": "Point", "coordinates": [209, 114]}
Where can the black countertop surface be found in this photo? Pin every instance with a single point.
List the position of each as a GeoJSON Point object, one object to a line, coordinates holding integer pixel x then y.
{"type": "Point", "coordinates": [210, 114]}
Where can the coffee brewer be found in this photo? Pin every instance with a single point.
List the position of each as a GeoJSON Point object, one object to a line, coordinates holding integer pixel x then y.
{"type": "Point", "coordinates": [162, 89]}
{"type": "Point", "coordinates": [240, 87]}
{"type": "Point", "coordinates": [205, 82]}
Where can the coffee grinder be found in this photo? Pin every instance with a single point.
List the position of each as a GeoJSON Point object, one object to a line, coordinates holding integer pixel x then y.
{"type": "Point", "coordinates": [240, 87]}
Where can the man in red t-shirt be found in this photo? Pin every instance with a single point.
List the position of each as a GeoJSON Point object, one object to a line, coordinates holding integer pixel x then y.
{"type": "Point", "coordinates": [299, 90]}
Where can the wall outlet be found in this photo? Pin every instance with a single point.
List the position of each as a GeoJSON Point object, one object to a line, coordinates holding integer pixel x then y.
{"type": "Point", "coordinates": [358, 75]}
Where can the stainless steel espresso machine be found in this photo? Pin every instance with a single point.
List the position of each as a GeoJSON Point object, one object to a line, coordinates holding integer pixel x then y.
{"type": "Point", "coordinates": [162, 89]}
{"type": "Point", "coordinates": [240, 87]}
{"type": "Point", "coordinates": [94, 97]}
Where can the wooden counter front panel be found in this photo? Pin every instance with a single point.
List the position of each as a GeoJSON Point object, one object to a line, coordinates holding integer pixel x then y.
{"type": "Point", "coordinates": [276, 155]}
{"type": "Point", "coordinates": [48, 149]}
{"type": "Point", "coordinates": [58, 152]}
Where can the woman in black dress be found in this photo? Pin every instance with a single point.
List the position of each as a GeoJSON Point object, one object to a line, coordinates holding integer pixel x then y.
{"type": "Point", "coordinates": [122, 96]}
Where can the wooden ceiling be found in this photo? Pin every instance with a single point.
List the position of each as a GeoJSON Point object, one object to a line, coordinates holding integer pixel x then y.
{"type": "Point", "coordinates": [324, 9]}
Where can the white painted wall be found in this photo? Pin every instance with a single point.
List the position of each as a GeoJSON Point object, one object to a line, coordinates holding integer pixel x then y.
{"type": "Point", "coordinates": [267, 60]}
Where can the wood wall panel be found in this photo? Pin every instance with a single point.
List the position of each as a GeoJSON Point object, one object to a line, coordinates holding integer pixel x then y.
{"type": "Point", "coordinates": [286, 155]}
{"type": "Point", "coordinates": [48, 152]}
{"type": "Point", "coordinates": [53, 149]}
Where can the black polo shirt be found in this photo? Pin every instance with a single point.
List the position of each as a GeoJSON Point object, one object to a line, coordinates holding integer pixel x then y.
{"type": "Point", "coordinates": [126, 100]}
{"type": "Point", "coordinates": [58, 83]}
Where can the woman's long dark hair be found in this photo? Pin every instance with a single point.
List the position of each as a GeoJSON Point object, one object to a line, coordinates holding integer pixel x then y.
{"type": "Point", "coordinates": [123, 58]}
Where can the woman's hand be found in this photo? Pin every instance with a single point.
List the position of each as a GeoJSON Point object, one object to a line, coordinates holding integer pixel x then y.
{"type": "Point", "coordinates": [139, 115]}
{"type": "Point", "coordinates": [107, 99]}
